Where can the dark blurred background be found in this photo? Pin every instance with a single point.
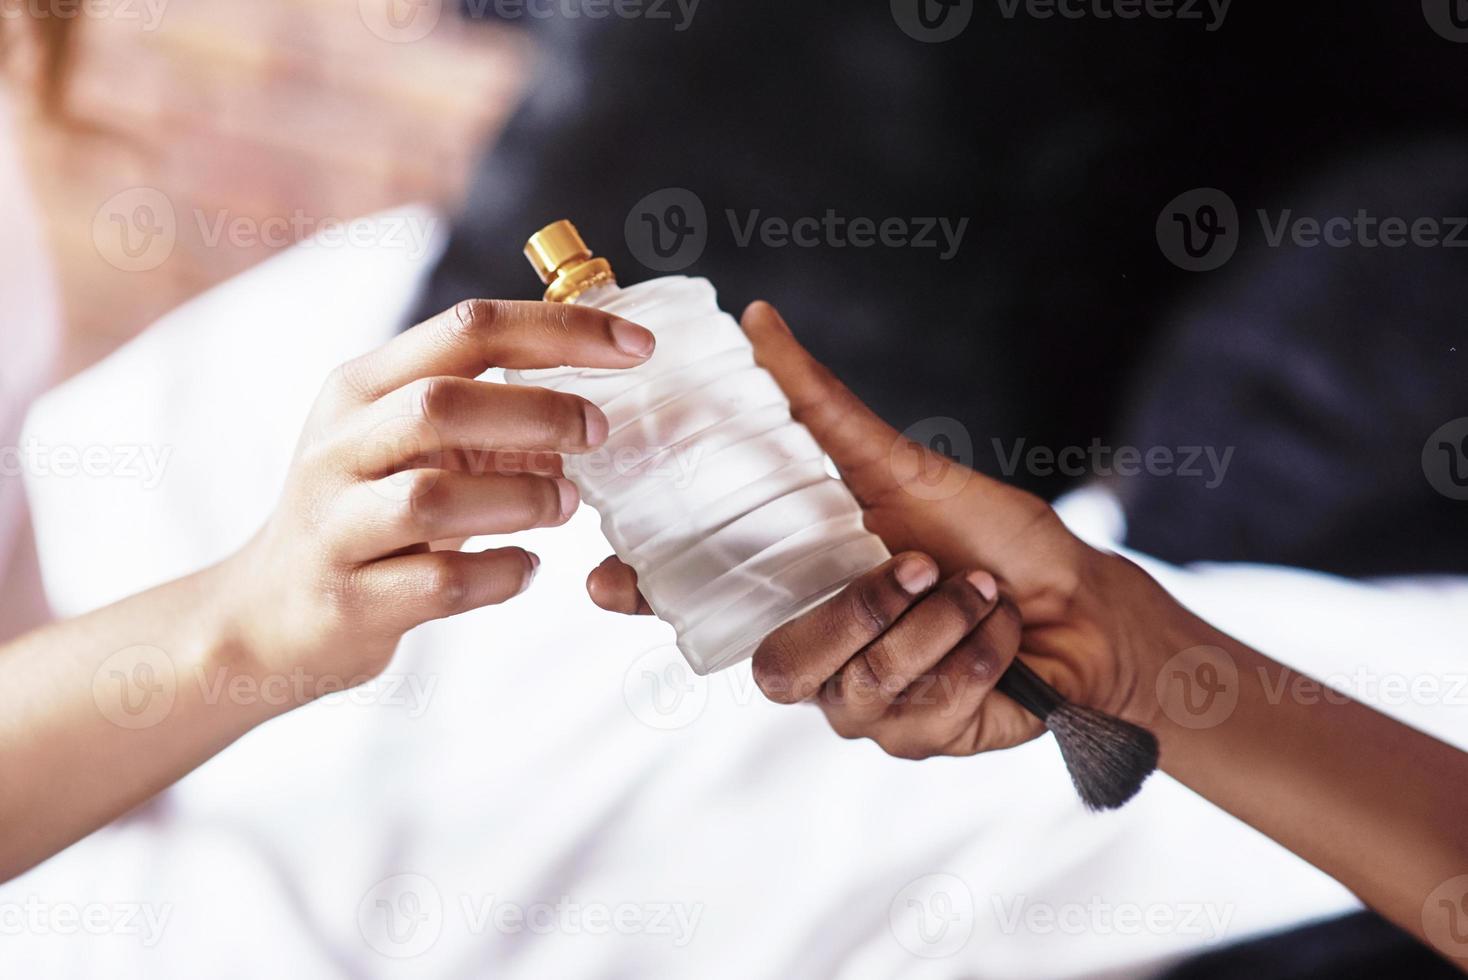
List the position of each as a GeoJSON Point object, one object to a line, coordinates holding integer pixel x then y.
{"type": "Point", "coordinates": [1317, 373]}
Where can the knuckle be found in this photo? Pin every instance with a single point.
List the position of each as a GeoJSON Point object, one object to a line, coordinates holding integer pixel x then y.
{"type": "Point", "coordinates": [903, 745]}
{"type": "Point", "coordinates": [867, 613]}
{"type": "Point", "coordinates": [432, 400]}
{"type": "Point", "coordinates": [983, 664]}
{"type": "Point", "coordinates": [998, 634]}
{"type": "Point", "coordinates": [958, 603]}
{"type": "Point", "coordinates": [884, 667]}
{"type": "Point", "coordinates": [448, 586]}
{"type": "Point", "coordinates": [349, 380]}
{"type": "Point", "coordinates": [563, 416]}
{"type": "Point", "coordinates": [317, 453]}
{"type": "Point", "coordinates": [1006, 617]}
{"type": "Point", "coordinates": [340, 593]}
{"type": "Point", "coordinates": [475, 317]}
{"type": "Point", "coordinates": [862, 615]}
{"type": "Point", "coordinates": [423, 501]}
{"type": "Point", "coordinates": [846, 728]}
{"type": "Point", "coordinates": [772, 670]}
{"type": "Point", "coordinates": [547, 496]}
{"type": "Point", "coordinates": [565, 317]}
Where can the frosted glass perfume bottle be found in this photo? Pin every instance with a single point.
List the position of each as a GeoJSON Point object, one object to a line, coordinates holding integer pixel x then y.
{"type": "Point", "coordinates": [706, 486]}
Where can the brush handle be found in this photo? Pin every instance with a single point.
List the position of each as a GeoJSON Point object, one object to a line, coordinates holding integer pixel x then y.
{"type": "Point", "coordinates": [1030, 690]}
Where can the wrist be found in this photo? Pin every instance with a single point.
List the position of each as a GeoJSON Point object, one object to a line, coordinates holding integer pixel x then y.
{"type": "Point", "coordinates": [244, 669]}
{"type": "Point", "coordinates": [1143, 628]}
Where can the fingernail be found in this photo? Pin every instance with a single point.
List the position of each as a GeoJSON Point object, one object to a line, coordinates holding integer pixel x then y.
{"type": "Point", "coordinates": [985, 584]}
{"type": "Point", "coordinates": [570, 498]}
{"type": "Point", "coordinates": [596, 426]}
{"type": "Point", "coordinates": [916, 575]}
{"type": "Point", "coordinates": [534, 568]}
{"type": "Point", "coordinates": [632, 339]}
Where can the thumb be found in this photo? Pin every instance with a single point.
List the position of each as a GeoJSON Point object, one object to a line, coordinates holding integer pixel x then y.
{"type": "Point", "coordinates": [852, 434]}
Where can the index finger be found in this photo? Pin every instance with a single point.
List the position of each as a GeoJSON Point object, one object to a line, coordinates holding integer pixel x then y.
{"type": "Point", "coordinates": [793, 662]}
{"type": "Point", "coordinates": [479, 334]}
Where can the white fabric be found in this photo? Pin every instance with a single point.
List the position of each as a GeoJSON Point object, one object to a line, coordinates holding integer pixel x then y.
{"type": "Point", "coordinates": [30, 327]}
{"type": "Point", "coordinates": [546, 758]}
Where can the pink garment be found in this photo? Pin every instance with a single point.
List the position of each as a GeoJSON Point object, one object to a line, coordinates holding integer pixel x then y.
{"type": "Point", "coordinates": [30, 327]}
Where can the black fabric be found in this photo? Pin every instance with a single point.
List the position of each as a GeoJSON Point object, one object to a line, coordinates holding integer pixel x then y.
{"type": "Point", "coordinates": [1326, 370]}
{"type": "Point", "coordinates": [1060, 140]}
{"type": "Point", "coordinates": [1362, 946]}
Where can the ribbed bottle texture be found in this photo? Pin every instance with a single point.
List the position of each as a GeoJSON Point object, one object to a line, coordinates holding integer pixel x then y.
{"type": "Point", "coordinates": [706, 485]}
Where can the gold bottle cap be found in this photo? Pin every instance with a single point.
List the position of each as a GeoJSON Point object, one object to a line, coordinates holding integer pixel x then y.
{"type": "Point", "coordinates": [564, 263]}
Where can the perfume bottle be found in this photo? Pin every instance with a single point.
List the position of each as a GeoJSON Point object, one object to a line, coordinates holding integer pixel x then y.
{"type": "Point", "coordinates": [724, 504]}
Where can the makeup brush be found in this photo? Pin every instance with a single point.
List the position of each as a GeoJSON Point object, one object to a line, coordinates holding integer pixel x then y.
{"type": "Point", "coordinates": [1108, 758]}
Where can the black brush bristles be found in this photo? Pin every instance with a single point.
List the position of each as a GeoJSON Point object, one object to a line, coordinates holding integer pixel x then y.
{"type": "Point", "coordinates": [1109, 759]}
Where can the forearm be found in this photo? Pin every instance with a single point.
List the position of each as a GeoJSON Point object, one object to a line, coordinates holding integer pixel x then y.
{"type": "Point", "coordinates": [99, 713]}
{"type": "Point", "coordinates": [1370, 801]}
